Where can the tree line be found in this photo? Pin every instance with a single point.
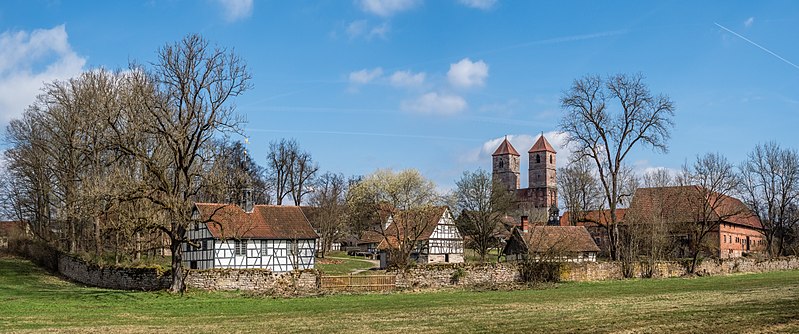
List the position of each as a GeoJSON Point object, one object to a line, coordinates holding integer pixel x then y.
{"type": "Point", "coordinates": [113, 161]}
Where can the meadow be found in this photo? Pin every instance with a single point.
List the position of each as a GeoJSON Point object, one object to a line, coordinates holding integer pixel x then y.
{"type": "Point", "coordinates": [32, 300]}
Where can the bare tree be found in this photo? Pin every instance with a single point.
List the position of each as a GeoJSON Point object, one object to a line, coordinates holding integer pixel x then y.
{"type": "Point", "coordinates": [291, 170]}
{"type": "Point", "coordinates": [607, 136]}
{"type": "Point", "coordinates": [232, 171]}
{"type": "Point", "coordinates": [280, 161]}
{"type": "Point", "coordinates": [329, 209]}
{"type": "Point", "coordinates": [482, 204]}
{"type": "Point", "coordinates": [408, 198]}
{"type": "Point", "coordinates": [303, 169]}
{"type": "Point", "coordinates": [770, 186]}
{"type": "Point", "coordinates": [707, 186]}
{"type": "Point", "coordinates": [174, 112]}
{"type": "Point", "coordinates": [579, 190]}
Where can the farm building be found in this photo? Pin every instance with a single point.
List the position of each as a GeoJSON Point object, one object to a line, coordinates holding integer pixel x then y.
{"type": "Point", "coordinates": [438, 239]}
{"type": "Point", "coordinates": [278, 238]}
{"type": "Point", "coordinates": [551, 243]}
{"type": "Point", "coordinates": [737, 229]}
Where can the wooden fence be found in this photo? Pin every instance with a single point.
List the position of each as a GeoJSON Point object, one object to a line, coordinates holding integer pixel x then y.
{"type": "Point", "coordinates": [359, 283]}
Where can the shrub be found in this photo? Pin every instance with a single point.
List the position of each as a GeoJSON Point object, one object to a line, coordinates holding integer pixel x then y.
{"type": "Point", "coordinates": [457, 275]}
{"type": "Point", "coordinates": [534, 271]}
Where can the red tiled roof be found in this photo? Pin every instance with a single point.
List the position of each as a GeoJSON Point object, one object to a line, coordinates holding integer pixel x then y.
{"type": "Point", "coordinates": [408, 224]}
{"type": "Point", "coordinates": [543, 239]}
{"type": "Point", "coordinates": [678, 204]}
{"type": "Point", "coordinates": [264, 222]}
{"type": "Point", "coordinates": [599, 217]}
{"type": "Point", "coordinates": [542, 145]}
{"type": "Point", "coordinates": [505, 148]}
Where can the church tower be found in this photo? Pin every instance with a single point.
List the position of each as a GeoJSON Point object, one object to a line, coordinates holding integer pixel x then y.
{"type": "Point", "coordinates": [542, 180]}
{"type": "Point", "coordinates": [506, 165]}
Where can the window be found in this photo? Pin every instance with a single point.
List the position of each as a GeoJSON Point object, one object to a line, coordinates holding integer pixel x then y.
{"type": "Point", "coordinates": [537, 159]}
{"type": "Point", "coordinates": [241, 247]}
{"type": "Point", "coordinates": [550, 159]}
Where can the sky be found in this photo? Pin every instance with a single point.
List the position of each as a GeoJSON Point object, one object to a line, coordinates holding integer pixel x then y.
{"type": "Point", "coordinates": [436, 85]}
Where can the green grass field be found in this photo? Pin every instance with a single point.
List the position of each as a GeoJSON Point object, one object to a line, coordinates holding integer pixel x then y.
{"type": "Point", "coordinates": [33, 301]}
{"type": "Point", "coordinates": [348, 264]}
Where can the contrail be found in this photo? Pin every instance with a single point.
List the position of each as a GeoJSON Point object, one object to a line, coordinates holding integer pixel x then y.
{"type": "Point", "coordinates": [758, 45]}
{"type": "Point", "coordinates": [373, 134]}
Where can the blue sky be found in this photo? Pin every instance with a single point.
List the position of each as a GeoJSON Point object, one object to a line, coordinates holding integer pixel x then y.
{"type": "Point", "coordinates": [434, 85]}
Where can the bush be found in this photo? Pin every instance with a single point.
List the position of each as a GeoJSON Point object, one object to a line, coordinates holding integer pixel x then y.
{"type": "Point", "coordinates": [457, 275]}
{"type": "Point", "coordinates": [534, 271]}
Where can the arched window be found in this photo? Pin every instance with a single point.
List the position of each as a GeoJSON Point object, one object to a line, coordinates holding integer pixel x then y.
{"type": "Point", "coordinates": [537, 159]}
{"type": "Point", "coordinates": [501, 164]}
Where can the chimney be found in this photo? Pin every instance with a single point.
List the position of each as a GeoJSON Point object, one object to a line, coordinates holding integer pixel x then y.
{"type": "Point", "coordinates": [247, 203]}
{"type": "Point", "coordinates": [525, 224]}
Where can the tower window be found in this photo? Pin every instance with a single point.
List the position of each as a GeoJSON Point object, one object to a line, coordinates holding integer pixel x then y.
{"type": "Point", "coordinates": [550, 159]}
{"type": "Point", "coordinates": [501, 164]}
{"type": "Point", "coordinates": [537, 158]}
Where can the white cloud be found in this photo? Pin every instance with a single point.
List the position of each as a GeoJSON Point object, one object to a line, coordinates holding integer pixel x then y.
{"type": "Point", "coordinates": [748, 23]}
{"type": "Point", "coordinates": [379, 31]}
{"type": "Point", "coordinates": [361, 28]}
{"type": "Point", "coordinates": [407, 79]}
{"type": "Point", "coordinates": [479, 4]}
{"type": "Point", "coordinates": [434, 103]}
{"type": "Point", "coordinates": [356, 28]}
{"type": "Point", "coordinates": [365, 76]}
{"type": "Point", "coordinates": [27, 61]}
{"type": "Point", "coordinates": [235, 10]}
{"type": "Point", "coordinates": [387, 8]}
{"type": "Point", "coordinates": [467, 74]}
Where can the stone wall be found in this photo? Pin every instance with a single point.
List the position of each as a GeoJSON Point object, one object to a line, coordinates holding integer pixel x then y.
{"type": "Point", "coordinates": [435, 276]}
{"type": "Point", "coordinates": [300, 282]}
{"type": "Point", "coordinates": [110, 277]}
{"type": "Point", "coordinates": [459, 274]}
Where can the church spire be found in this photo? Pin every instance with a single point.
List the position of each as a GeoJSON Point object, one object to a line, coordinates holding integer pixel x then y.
{"type": "Point", "coordinates": [542, 145]}
{"type": "Point", "coordinates": [505, 148]}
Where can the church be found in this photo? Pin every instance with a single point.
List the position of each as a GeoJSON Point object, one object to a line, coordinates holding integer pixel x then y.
{"type": "Point", "coordinates": [538, 203]}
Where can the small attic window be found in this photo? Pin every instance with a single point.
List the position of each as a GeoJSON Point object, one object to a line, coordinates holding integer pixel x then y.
{"type": "Point", "coordinates": [538, 158]}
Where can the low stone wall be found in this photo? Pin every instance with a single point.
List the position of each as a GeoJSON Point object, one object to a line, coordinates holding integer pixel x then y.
{"type": "Point", "coordinates": [744, 265]}
{"type": "Point", "coordinates": [470, 275]}
{"type": "Point", "coordinates": [301, 282]}
{"type": "Point", "coordinates": [459, 274]}
{"type": "Point", "coordinates": [120, 278]}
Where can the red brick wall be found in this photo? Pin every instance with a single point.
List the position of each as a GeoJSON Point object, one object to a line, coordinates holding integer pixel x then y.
{"type": "Point", "coordinates": [732, 240]}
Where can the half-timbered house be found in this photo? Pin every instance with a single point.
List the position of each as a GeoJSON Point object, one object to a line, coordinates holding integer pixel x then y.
{"type": "Point", "coordinates": [434, 232]}
{"type": "Point", "coordinates": [278, 238]}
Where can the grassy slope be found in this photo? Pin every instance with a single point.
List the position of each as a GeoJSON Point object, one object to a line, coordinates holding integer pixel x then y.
{"type": "Point", "coordinates": [349, 264]}
{"type": "Point", "coordinates": [31, 300]}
